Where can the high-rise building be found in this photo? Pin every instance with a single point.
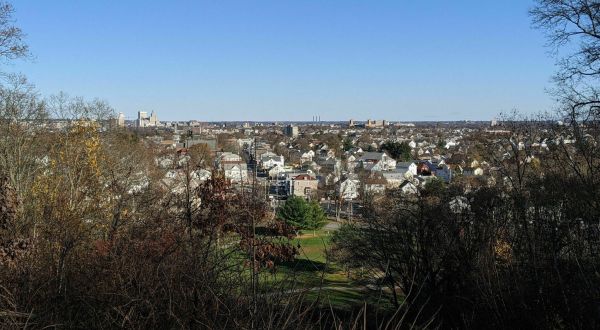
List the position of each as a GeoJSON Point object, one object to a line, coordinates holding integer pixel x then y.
{"type": "Point", "coordinates": [142, 117]}
{"type": "Point", "coordinates": [121, 120]}
{"type": "Point", "coordinates": [153, 119]}
{"type": "Point", "coordinates": [375, 123]}
{"type": "Point", "coordinates": [147, 121]}
{"type": "Point", "coordinates": [118, 121]}
{"type": "Point", "coordinates": [291, 131]}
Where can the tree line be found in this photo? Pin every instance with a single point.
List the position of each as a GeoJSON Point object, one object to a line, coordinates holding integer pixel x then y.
{"type": "Point", "coordinates": [519, 249]}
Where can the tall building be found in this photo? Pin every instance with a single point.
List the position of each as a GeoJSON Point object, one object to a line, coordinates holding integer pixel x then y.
{"type": "Point", "coordinates": [147, 121]}
{"type": "Point", "coordinates": [375, 123]}
{"type": "Point", "coordinates": [291, 131]}
{"type": "Point", "coordinates": [121, 120]}
{"type": "Point", "coordinates": [153, 119]}
{"type": "Point", "coordinates": [142, 117]}
{"type": "Point", "coordinates": [118, 121]}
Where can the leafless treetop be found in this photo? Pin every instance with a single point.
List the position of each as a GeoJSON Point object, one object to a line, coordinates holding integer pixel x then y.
{"type": "Point", "coordinates": [12, 45]}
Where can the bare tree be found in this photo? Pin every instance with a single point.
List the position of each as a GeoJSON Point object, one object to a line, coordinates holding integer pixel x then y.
{"type": "Point", "coordinates": [22, 116]}
{"type": "Point", "coordinates": [572, 29]}
{"type": "Point", "coordinates": [63, 106]}
{"type": "Point", "coordinates": [12, 45]}
{"type": "Point", "coordinates": [572, 21]}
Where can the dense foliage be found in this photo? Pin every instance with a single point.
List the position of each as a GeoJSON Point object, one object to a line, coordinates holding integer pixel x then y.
{"type": "Point", "coordinates": [301, 214]}
{"type": "Point", "coordinates": [400, 151]}
{"type": "Point", "coordinates": [485, 257]}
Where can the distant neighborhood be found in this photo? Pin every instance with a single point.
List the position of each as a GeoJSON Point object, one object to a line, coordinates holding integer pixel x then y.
{"type": "Point", "coordinates": [338, 164]}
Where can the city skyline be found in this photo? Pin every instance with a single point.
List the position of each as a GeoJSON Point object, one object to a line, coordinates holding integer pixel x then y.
{"type": "Point", "coordinates": [271, 61]}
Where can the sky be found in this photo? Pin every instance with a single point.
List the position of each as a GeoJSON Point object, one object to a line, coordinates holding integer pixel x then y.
{"type": "Point", "coordinates": [400, 60]}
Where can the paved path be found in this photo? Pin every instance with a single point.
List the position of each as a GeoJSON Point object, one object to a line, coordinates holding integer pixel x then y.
{"type": "Point", "coordinates": [332, 226]}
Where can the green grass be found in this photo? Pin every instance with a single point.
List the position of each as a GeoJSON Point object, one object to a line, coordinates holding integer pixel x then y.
{"type": "Point", "coordinates": [323, 279]}
{"type": "Point", "coordinates": [313, 245]}
{"type": "Point", "coordinates": [318, 278]}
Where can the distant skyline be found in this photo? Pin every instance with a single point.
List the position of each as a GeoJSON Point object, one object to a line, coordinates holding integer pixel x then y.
{"type": "Point", "coordinates": [290, 60]}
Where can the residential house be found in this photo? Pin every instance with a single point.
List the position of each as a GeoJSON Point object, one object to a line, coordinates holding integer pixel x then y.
{"type": "Point", "coordinates": [331, 164]}
{"type": "Point", "coordinates": [276, 171]}
{"type": "Point", "coordinates": [348, 189]}
{"type": "Point", "coordinates": [233, 166]}
{"type": "Point", "coordinates": [407, 167]}
{"type": "Point", "coordinates": [395, 178]}
{"type": "Point", "coordinates": [307, 156]}
{"type": "Point", "coordinates": [444, 172]}
{"type": "Point", "coordinates": [408, 187]}
{"type": "Point", "coordinates": [381, 159]}
{"type": "Point", "coordinates": [375, 184]}
{"type": "Point", "coordinates": [270, 159]}
{"type": "Point", "coordinates": [302, 185]}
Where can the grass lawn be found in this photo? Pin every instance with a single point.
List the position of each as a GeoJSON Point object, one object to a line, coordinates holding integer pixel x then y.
{"type": "Point", "coordinates": [313, 245]}
{"type": "Point", "coordinates": [324, 280]}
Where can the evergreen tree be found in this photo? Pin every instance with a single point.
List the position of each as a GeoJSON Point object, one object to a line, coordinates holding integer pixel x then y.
{"type": "Point", "coordinates": [398, 151]}
{"type": "Point", "coordinates": [301, 214]}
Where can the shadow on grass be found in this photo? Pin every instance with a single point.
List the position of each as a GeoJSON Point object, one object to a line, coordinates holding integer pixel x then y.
{"type": "Point", "coordinates": [340, 297]}
{"type": "Point", "coordinates": [304, 265]}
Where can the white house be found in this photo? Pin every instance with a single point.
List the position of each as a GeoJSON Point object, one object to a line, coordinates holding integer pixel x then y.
{"type": "Point", "coordinates": [450, 144]}
{"type": "Point", "coordinates": [245, 142]}
{"type": "Point", "coordinates": [307, 156]}
{"type": "Point", "coordinates": [269, 160]}
{"type": "Point", "coordinates": [348, 189]}
{"type": "Point", "coordinates": [277, 170]}
{"type": "Point", "coordinates": [407, 167]}
{"type": "Point", "coordinates": [375, 185]}
{"type": "Point", "coordinates": [394, 178]}
{"type": "Point", "coordinates": [236, 172]}
{"type": "Point", "coordinates": [351, 163]}
{"type": "Point", "coordinates": [234, 168]}
{"type": "Point", "coordinates": [409, 188]}
{"type": "Point", "coordinates": [381, 159]}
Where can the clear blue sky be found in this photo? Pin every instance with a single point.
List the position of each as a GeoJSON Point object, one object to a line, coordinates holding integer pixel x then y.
{"type": "Point", "coordinates": [288, 60]}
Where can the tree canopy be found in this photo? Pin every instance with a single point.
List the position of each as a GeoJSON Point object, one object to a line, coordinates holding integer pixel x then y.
{"type": "Point", "coordinates": [302, 214]}
{"type": "Point", "coordinates": [397, 150]}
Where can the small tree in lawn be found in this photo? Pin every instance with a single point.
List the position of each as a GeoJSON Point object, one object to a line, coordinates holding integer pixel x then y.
{"type": "Point", "coordinates": [318, 217]}
{"type": "Point", "coordinates": [301, 214]}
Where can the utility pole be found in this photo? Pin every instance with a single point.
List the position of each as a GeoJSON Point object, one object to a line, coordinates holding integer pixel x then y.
{"type": "Point", "coordinates": [254, 274]}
